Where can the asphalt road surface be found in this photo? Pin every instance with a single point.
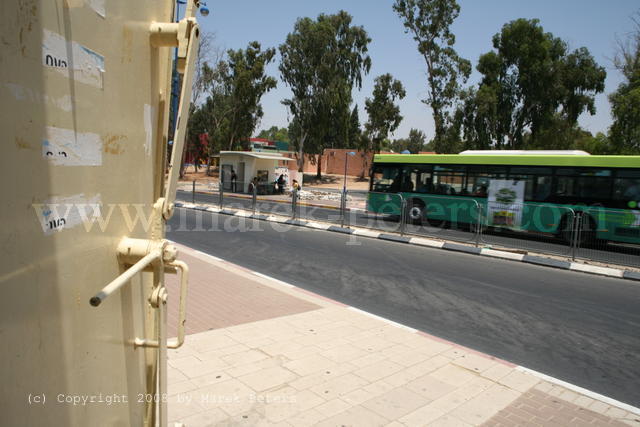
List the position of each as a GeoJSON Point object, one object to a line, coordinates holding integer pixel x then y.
{"type": "Point", "coordinates": [614, 254]}
{"type": "Point", "coordinates": [580, 328]}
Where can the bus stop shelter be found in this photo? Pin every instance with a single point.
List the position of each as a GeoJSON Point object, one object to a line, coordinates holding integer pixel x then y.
{"type": "Point", "coordinates": [267, 167]}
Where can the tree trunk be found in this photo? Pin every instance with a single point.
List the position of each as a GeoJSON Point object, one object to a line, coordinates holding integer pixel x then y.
{"type": "Point", "coordinates": [208, 165]}
{"type": "Point", "coordinates": [319, 169]}
{"type": "Point", "coordinates": [301, 155]}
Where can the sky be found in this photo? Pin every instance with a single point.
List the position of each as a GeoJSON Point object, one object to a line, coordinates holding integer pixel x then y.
{"type": "Point", "coordinates": [594, 24]}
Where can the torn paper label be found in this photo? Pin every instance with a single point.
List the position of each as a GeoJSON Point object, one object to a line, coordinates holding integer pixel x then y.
{"type": "Point", "coordinates": [61, 213]}
{"type": "Point", "coordinates": [22, 93]}
{"type": "Point", "coordinates": [65, 147]}
{"type": "Point", "coordinates": [84, 65]}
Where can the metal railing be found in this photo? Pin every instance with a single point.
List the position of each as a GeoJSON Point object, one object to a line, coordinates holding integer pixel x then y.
{"type": "Point", "coordinates": [581, 233]}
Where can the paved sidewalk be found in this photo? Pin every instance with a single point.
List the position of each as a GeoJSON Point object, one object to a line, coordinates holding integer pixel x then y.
{"type": "Point", "coordinates": [262, 352]}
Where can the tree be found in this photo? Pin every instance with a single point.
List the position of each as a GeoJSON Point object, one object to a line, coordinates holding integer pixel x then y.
{"type": "Point", "coordinates": [245, 82]}
{"type": "Point", "coordinates": [322, 60]}
{"type": "Point", "coordinates": [355, 131]}
{"type": "Point", "coordinates": [429, 22]}
{"type": "Point", "coordinates": [208, 52]}
{"type": "Point", "coordinates": [274, 133]}
{"type": "Point", "coordinates": [625, 101]}
{"type": "Point", "coordinates": [531, 86]}
{"type": "Point", "coordinates": [384, 114]}
{"type": "Point", "coordinates": [414, 143]}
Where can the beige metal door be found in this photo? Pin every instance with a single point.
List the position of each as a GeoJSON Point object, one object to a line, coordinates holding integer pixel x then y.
{"type": "Point", "coordinates": [83, 98]}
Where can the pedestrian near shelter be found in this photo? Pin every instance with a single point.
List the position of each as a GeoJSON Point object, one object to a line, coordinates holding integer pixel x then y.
{"type": "Point", "coordinates": [248, 165]}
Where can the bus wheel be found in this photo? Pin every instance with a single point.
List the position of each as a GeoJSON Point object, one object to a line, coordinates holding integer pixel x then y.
{"type": "Point", "coordinates": [415, 211]}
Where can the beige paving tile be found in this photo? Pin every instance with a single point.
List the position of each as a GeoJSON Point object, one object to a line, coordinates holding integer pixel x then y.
{"type": "Point", "coordinates": [268, 378]}
{"type": "Point", "coordinates": [497, 371]}
{"type": "Point", "coordinates": [409, 357]}
{"type": "Point", "coordinates": [356, 416]}
{"type": "Point", "coordinates": [474, 362]}
{"type": "Point", "coordinates": [452, 400]}
{"type": "Point", "coordinates": [209, 379]}
{"type": "Point", "coordinates": [520, 381]}
{"type": "Point", "coordinates": [232, 396]}
{"type": "Point", "coordinates": [378, 370]}
{"type": "Point", "coordinates": [453, 375]}
{"type": "Point", "coordinates": [454, 352]}
{"type": "Point", "coordinates": [448, 421]}
{"type": "Point", "coordinates": [368, 360]}
{"type": "Point", "coordinates": [326, 345]}
{"type": "Point", "coordinates": [180, 387]}
{"type": "Point", "coordinates": [361, 395]}
{"type": "Point", "coordinates": [242, 370]}
{"type": "Point", "coordinates": [309, 365]}
{"type": "Point", "coordinates": [212, 342]}
{"type": "Point", "coordinates": [278, 348]}
{"type": "Point", "coordinates": [182, 405]}
{"type": "Point", "coordinates": [211, 417]}
{"type": "Point", "coordinates": [482, 407]}
{"type": "Point", "coordinates": [244, 358]}
{"type": "Point", "coordinates": [220, 352]}
{"type": "Point", "coordinates": [306, 418]}
{"type": "Point", "coordinates": [344, 353]}
{"type": "Point", "coordinates": [396, 403]}
{"type": "Point", "coordinates": [372, 344]}
{"type": "Point", "coordinates": [339, 386]}
{"type": "Point", "coordinates": [332, 407]}
{"type": "Point", "coordinates": [429, 387]}
{"type": "Point", "coordinates": [429, 345]}
{"type": "Point", "coordinates": [200, 368]}
{"type": "Point", "coordinates": [174, 375]}
{"type": "Point", "coordinates": [422, 416]}
{"type": "Point", "coordinates": [335, 371]}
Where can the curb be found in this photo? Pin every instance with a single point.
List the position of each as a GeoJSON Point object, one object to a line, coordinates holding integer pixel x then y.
{"type": "Point", "coordinates": [300, 203]}
{"type": "Point", "coordinates": [421, 241]}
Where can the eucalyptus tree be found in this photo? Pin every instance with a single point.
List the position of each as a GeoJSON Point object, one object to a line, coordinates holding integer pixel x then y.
{"type": "Point", "coordinates": [322, 61]}
{"type": "Point", "coordinates": [429, 22]}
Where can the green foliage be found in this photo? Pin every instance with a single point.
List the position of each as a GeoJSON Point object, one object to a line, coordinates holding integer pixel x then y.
{"type": "Point", "coordinates": [274, 133]}
{"type": "Point", "coordinates": [322, 60]}
{"type": "Point", "coordinates": [415, 143]}
{"type": "Point", "coordinates": [234, 88]}
{"type": "Point", "coordinates": [429, 22]}
{"type": "Point", "coordinates": [625, 101]}
{"type": "Point", "coordinates": [531, 86]}
{"type": "Point", "coordinates": [384, 114]}
{"type": "Point", "coordinates": [355, 131]}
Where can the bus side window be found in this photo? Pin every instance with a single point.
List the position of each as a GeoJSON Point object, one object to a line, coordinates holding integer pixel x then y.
{"type": "Point", "coordinates": [543, 188]}
{"type": "Point", "coordinates": [386, 179]}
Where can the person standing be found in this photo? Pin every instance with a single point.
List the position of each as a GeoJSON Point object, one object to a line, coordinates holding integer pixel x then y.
{"type": "Point", "coordinates": [281, 182]}
{"type": "Point", "coordinates": [234, 179]}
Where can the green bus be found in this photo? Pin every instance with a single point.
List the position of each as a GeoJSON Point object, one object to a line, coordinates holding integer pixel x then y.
{"type": "Point", "coordinates": [538, 193]}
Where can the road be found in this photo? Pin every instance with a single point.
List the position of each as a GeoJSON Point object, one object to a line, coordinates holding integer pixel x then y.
{"type": "Point", "coordinates": [580, 328]}
{"type": "Point", "coordinates": [613, 254]}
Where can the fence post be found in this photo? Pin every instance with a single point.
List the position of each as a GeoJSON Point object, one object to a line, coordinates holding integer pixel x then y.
{"type": "Point", "coordinates": [575, 232]}
{"type": "Point", "coordinates": [294, 203]}
{"type": "Point", "coordinates": [343, 206]}
{"type": "Point", "coordinates": [220, 193]}
{"type": "Point", "coordinates": [193, 192]}
{"type": "Point", "coordinates": [403, 213]}
{"type": "Point", "coordinates": [478, 223]}
{"type": "Point", "coordinates": [254, 197]}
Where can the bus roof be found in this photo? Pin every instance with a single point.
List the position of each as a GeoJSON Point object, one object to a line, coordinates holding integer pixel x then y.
{"type": "Point", "coordinates": [518, 160]}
